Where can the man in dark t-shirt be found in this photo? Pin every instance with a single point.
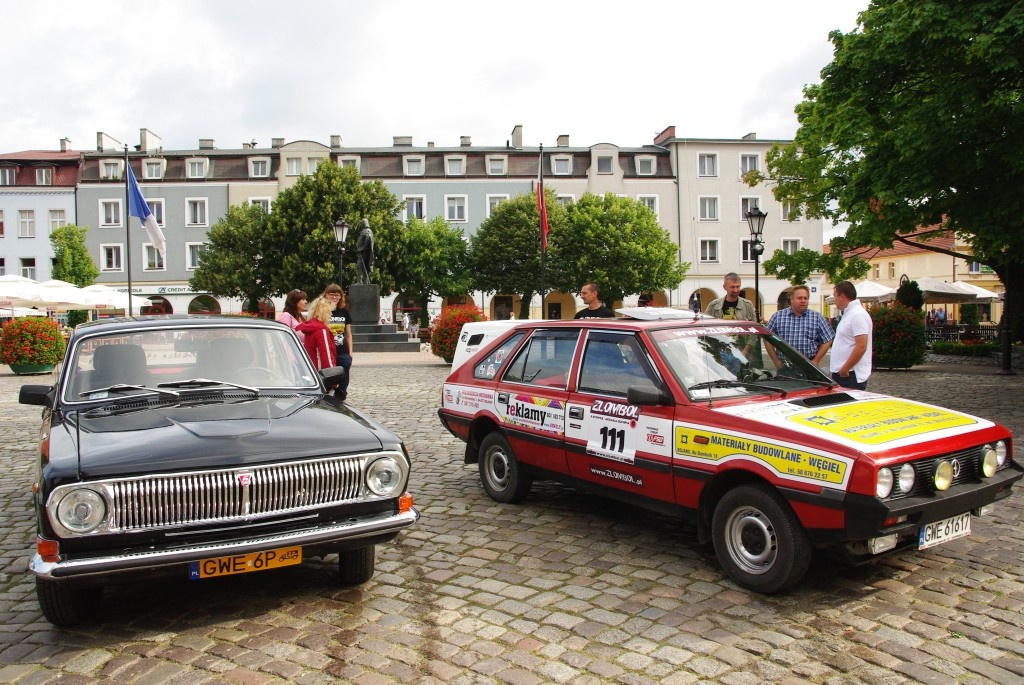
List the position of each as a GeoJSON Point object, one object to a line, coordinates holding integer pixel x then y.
{"type": "Point", "coordinates": [591, 296]}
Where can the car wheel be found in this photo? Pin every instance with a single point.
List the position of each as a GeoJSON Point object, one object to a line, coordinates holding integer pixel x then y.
{"type": "Point", "coordinates": [500, 472]}
{"type": "Point", "coordinates": [66, 604]}
{"type": "Point", "coordinates": [758, 539]}
{"type": "Point", "coordinates": [356, 565]}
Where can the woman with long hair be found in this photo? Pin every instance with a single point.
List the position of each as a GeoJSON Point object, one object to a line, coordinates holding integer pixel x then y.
{"type": "Point", "coordinates": [294, 308]}
{"type": "Point", "coordinates": [319, 340]}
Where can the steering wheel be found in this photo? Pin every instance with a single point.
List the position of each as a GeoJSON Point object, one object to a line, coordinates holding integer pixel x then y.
{"type": "Point", "coordinates": [258, 375]}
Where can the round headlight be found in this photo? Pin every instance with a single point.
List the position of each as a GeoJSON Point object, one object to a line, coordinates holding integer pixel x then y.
{"type": "Point", "coordinates": [1001, 453]}
{"type": "Point", "coordinates": [988, 461]}
{"type": "Point", "coordinates": [384, 476]}
{"type": "Point", "coordinates": [943, 475]}
{"type": "Point", "coordinates": [883, 483]}
{"type": "Point", "coordinates": [81, 510]}
{"type": "Point", "coordinates": [907, 478]}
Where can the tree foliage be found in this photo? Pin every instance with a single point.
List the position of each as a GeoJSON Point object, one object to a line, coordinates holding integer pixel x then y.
{"type": "Point", "coordinates": [238, 259]}
{"type": "Point", "coordinates": [916, 130]}
{"type": "Point", "coordinates": [615, 242]}
{"type": "Point", "coordinates": [71, 259]}
{"type": "Point", "coordinates": [433, 262]}
{"type": "Point", "coordinates": [909, 293]}
{"type": "Point", "coordinates": [798, 266]}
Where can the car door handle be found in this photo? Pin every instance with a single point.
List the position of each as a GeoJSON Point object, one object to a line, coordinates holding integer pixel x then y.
{"type": "Point", "coordinates": [576, 413]}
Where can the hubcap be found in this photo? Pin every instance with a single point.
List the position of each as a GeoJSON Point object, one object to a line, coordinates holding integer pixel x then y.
{"type": "Point", "coordinates": [751, 540]}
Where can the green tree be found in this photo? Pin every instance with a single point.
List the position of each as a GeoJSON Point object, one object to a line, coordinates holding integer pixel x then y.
{"type": "Point", "coordinates": [505, 251]}
{"type": "Point", "coordinates": [615, 242]}
{"type": "Point", "coordinates": [237, 259]}
{"type": "Point", "coordinates": [303, 251]}
{"type": "Point", "coordinates": [72, 263]}
{"type": "Point", "coordinates": [434, 262]}
{"type": "Point", "coordinates": [909, 293]}
{"type": "Point", "coordinates": [798, 266]}
{"type": "Point", "coordinates": [917, 123]}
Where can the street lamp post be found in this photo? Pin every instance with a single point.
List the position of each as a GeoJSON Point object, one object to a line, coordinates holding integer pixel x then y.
{"type": "Point", "coordinates": [340, 233]}
{"type": "Point", "coordinates": [755, 218]}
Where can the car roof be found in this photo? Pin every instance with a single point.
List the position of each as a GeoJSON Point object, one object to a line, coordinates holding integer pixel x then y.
{"type": "Point", "coordinates": [637, 324]}
{"type": "Point", "coordinates": [176, 321]}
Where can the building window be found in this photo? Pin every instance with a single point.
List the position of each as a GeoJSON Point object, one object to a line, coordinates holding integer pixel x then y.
{"type": "Point", "coordinates": [3, 267]}
{"type": "Point", "coordinates": [192, 251]}
{"type": "Point", "coordinates": [293, 166]}
{"type": "Point", "coordinates": [892, 270]}
{"type": "Point", "coordinates": [790, 245]}
{"type": "Point", "coordinates": [604, 165]}
{"type": "Point", "coordinates": [349, 162]}
{"type": "Point", "coordinates": [195, 212]}
{"type": "Point", "coordinates": [646, 166]}
{"type": "Point", "coordinates": [110, 169]}
{"type": "Point", "coordinates": [110, 258]}
{"type": "Point", "coordinates": [44, 177]}
{"type": "Point", "coordinates": [877, 268]}
{"type": "Point", "coordinates": [110, 213]}
{"type": "Point", "coordinates": [650, 202]}
{"type": "Point", "coordinates": [748, 163]}
{"type": "Point", "coordinates": [497, 166]}
{"type": "Point", "coordinates": [28, 267]}
{"type": "Point", "coordinates": [151, 259]}
{"type": "Point", "coordinates": [790, 211]}
{"type": "Point", "coordinates": [455, 166]}
{"type": "Point", "coordinates": [565, 200]}
{"type": "Point", "coordinates": [57, 219]}
{"type": "Point", "coordinates": [263, 202]}
{"type": "Point", "coordinates": [153, 170]}
{"type": "Point", "coordinates": [747, 250]}
{"type": "Point", "coordinates": [562, 166]}
{"type": "Point", "coordinates": [748, 204]}
{"type": "Point", "coordinates": [413, 166]}
{"type": "Point", "coordinates": [707, 164]}
{"type": "Point", "coordinates": [415, 207]}
{"type": "Point", "coordinates": [708, 208]}
{"type": "Point", "coordinates": [455, 208]}
{"type": "Point", "coordinates": [312, 163]}
{"type": "Point", "coordinates": [157, 207]}
{"type": "Point", "coordinates": [493, 201]}
{"type": "Point", "coordinates": [7, 176]}
{"type": "Point", "coordinates": [708, 250]}
{"type": "Point", "coordinates": [259, 167]}
{"type": "Point", "coordinates": [1, 223]}
{"type": "Point", "coordinates": [26, 223]}
{"type": "Point", "coordinates": [196, 168]}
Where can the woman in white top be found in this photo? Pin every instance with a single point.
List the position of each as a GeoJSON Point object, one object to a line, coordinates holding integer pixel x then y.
{"type": "Point", "coordinates": [294, 312]}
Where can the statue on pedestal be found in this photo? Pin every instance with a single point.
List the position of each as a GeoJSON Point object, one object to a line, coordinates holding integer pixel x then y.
{"type": "Point", "coordinates": [364, 252]}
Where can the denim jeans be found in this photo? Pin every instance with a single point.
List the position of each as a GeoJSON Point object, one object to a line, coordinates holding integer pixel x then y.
{"type": "Point", "coordinates": [850, 381]}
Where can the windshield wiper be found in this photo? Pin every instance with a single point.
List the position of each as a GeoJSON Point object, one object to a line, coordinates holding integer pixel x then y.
{"type": "Point", "coordinates": [120, 387]}
{"type": "Point", "coordinates": [205, 383]}
{"type": "Point", "coordinates": [722, 383]}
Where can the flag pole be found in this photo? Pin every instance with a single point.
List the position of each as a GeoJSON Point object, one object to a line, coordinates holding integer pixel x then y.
{"type": "Point", "coordinates": [127, 232]}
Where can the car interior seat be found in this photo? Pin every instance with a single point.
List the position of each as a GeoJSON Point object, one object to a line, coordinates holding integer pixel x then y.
{"type": "Point", "coordinates": [120, 363]}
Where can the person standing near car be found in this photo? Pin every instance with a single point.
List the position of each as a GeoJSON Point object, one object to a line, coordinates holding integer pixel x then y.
{"type": "Point", "coordinates": [732, 306]}
{"type": "Point", "coordinates": [319, 341]}
{"type": "Point", "coordinates": [803, 328]}
{"type": "Point", "coordinates": [591, 296]}
{"type": "Point", "coordinates": [340, 317]}
{"type": "Point", "coordinates": [850, 362]}
{"type": "Point", "coordinates": [294, 311]}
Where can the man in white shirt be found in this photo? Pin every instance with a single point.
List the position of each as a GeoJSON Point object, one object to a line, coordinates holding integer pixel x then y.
{"type": "Point", "coordinates": [850, 362]}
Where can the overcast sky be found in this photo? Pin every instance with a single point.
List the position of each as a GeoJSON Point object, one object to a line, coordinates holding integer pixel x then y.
{"type": "Point", "coordinates": [242, 70]}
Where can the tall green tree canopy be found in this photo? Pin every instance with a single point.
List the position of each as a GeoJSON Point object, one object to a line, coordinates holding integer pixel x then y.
{"type": "Point", "coordinates": [71, 259]}
{"type": "Point", "coordinates": [798, 266]}
{"type": "Point", "coordinates": [237, 260]}
{"type": "Point", "coordinates": [917, 123]}
{"type": "Point", "coordinates": [433, 261]}
{"type": "Point", "coordinates": [615, 242]}
{"type": "Point", "coordinates": [302, 249]}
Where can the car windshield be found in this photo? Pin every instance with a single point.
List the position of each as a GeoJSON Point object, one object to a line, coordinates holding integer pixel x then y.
{"type": "Point", "coordinates": [721, 361]}
{"type": "Point", "coordinates": [164, 361]}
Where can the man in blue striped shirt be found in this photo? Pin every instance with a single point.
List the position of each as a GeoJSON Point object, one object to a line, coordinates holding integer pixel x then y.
{"type": "Point", "coordinates": [807, 331]}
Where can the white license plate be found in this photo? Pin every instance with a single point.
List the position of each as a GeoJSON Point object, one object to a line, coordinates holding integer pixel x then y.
{"type": "Point", "coordinates": [954, 527]}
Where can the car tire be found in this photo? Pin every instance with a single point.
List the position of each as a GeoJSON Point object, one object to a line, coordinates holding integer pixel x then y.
{"type": "Point", "coordinates": [355, 566]}
{"type": "Point", "coordinates": [66, 604]}
{"type": "Point", "coordinates": [759, 540]}
{"type": "Point", "coordinates": [500, 472]}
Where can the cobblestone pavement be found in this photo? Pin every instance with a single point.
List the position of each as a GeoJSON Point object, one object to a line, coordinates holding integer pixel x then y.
{"type": "Point", "coordinates": [565, 588]}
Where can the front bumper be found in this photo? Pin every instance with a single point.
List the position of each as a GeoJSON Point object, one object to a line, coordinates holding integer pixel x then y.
{"type": "Point", "coordinates": [381, 526]}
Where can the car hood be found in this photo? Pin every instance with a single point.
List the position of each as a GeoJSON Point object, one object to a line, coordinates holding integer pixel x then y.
{"type": "Point", "coordinates": [218, 432]}
{"type": "Point", "coordinates": [865, 421]}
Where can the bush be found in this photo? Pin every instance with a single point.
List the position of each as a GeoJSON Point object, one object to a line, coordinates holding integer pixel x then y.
{"type": "Point", "coordinates": [899, 339]}
{"type": "Point", "coordinates": [444, 336]}
{"type": "Point", "coordinates": [31, 340]}
{"type": "Point", "coordinates": [965, 349]}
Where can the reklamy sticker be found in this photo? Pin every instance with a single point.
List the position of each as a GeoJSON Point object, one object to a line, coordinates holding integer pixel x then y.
{"type": "Point", "coordinates": [789, 461]}
{"type": "Point", "coordinates": [539, 413]}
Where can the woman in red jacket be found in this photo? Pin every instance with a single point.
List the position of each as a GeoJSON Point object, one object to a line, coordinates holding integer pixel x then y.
{"type": "Point", "coordinates": [319, 340]}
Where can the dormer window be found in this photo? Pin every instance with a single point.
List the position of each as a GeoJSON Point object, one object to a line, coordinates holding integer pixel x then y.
{"type": "Point", "coordinates": [8, 175]}
{"type": "Point", "coordinates": [195, 167]}
{"type": "Point", "coordinates": [111, 169]}
{"type": "Point", "coordinates": [497, 165]}
{"type": "Point", "coordinates": [414, 165]}
{"type": "Point", "coordinates": [346, 161]}
{"type": "Point", "coordinates": [44, 176]}
{"type": "Point", "coordinates": [646, 165]}
{"type": "Point", "coordinates": [259, 167]}
{"type": "Point", "coordinates": [562, 165]}
{"type": "Point", "coordinates": [153, 169]}
{"type": "Point", "coordinates": [455, 165]}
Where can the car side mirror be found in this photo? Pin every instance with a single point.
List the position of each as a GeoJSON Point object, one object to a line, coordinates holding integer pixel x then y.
{"type": "Point", "coordinates": [647, 395]}
{"type": "Point", "coordinates": [41, 395]}
{"type": "Point", "coordinates": [332, 373]}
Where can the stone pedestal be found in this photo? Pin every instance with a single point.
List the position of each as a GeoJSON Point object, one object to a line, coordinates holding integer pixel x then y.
{"type": "Point", "coordinates": [364, 303]}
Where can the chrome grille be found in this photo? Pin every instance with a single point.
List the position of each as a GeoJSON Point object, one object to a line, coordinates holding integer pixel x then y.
{"type": "Point", "coordinates": [231, 494]}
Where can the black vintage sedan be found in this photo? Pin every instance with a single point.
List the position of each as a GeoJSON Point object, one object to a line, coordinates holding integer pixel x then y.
{"type": "Point", "coordinates": [202, 446]}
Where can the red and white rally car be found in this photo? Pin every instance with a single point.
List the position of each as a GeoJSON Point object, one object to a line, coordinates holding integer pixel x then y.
{"type": "Point", "coordinates": [722, 423]}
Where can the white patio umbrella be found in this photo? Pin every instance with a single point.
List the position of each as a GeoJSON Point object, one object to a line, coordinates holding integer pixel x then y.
{"type": "Point", "coordinates": [940, 292]}
{"type": "Point", "coordinates": [105, 297]}
{"type": "Point", "coordinates": [62, 295]}
{"type": "Point", "coordinates": [870, 291]}
{"type": "Point", "coordinates": [982, 294]}
{"type": "Point", "coordinates": [18, 291]}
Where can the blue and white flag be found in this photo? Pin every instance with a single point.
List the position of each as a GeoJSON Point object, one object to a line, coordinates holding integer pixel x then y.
{"type": "Point", "coordinates": [137, 206]}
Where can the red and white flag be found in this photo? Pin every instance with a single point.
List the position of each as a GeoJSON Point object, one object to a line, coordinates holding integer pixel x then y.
{"type": "Point", "coordinates": [542, 206]}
